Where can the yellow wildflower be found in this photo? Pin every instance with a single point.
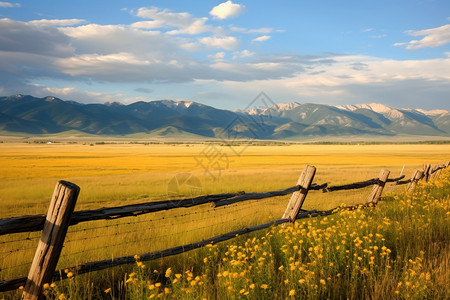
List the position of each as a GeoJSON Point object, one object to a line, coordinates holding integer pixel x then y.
{"type": "Point", "coordinates": [168, 272]}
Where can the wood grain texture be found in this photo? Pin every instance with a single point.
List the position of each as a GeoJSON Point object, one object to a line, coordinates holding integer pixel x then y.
{"type": "Point", "coordinates": [298, 197]}
{"type": "Point", "coordinates": [426, 171]}
{"type": "Point", "coordinates": [36, 222]}
{"type": "Point", "coordinates": [52, 239]}
{"type": "Point", "coordinates": [377, 190]}
{"type": "Point", "coordinates": [418, 174]}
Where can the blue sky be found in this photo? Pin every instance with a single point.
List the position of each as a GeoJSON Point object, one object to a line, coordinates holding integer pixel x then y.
{"type": "Point", "coordinates": [224, 53]}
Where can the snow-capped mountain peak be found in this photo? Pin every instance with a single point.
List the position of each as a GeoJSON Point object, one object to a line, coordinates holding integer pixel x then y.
{"type": "Point", "coordinates": [286, 106]}
{"type": "Point", "coordinates": [375, 107]}
{"type": "Point", "coordinates": [274, 108]}
{"type": "Point", "coordinates": [434, 112]}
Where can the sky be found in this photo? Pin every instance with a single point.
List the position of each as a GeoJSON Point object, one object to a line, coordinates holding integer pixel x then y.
{"type": "Point", "coordinates": [225, 53]}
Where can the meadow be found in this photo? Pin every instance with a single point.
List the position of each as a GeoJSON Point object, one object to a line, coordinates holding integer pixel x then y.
{"type": "Point", "coordinates": [120, 174]}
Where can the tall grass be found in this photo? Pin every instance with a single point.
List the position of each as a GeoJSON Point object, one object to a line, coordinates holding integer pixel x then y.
{"type": "Point", "coordinates": [111, 175]}
{"type": "Point", "coordinates": [399, 249]}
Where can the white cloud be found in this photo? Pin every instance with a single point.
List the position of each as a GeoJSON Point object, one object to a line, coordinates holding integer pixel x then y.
{"type": "Point", "coordinates": [243, 53]}
{"type": "Point", "coordinates": [434, 37]}
{"type": "Point", "coordinates": [336, 81]}
{"type": "Point", "coordinates": [228, 42]}
{"type": "Point", "coordinates": [147, 24]}
{"type": "Point", "coordinates": [264, 30]}
{"type": "Point", "coordinates": [227, 10]}
{"type": "Point", "coordinates": [108, 39]}
{"type": "Point", "coordinates": [163, 18]}
{"type": "Point", "coordinates": [8, 4]}
{"type": "Point", "coordinates": [261, 38]}
{"type": "Point", "coordinates": [57, 22]}
{"type": "Point", "coordinates": [217, 56]}
{"type": "Point", "coordinates": [152, 52]}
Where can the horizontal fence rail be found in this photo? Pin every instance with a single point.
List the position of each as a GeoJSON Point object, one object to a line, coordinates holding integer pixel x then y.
{"type": "Point", "coordinates": [36, 222]}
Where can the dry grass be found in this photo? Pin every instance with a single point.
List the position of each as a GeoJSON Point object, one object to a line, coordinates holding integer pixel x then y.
{"type": "Point", "coordinates": [120, 174]}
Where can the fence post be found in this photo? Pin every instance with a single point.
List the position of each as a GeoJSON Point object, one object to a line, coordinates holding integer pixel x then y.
{"type": "Point", "coordinates": [55, 228]}
{"type": "Point", "coordinates": [298, 197]}
{"type": "Point", "coordinates": [418, 174]}
{"type": "Point", "coordinates": [378, 187]}
{"type": "Point", "coordinates": [426, 172]}
{"type": "Point", "coordinates": [436, 170]}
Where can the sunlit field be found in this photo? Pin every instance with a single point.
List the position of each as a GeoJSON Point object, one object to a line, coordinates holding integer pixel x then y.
{"type": "Point", "coordinates": [120, 174]}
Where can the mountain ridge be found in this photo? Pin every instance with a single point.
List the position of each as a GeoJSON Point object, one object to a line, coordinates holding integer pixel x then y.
{"type": "Point", "coordinates": [26, 114]}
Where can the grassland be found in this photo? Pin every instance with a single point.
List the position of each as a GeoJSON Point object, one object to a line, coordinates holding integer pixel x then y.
{"type": "Point", "coordinates": [119, 174]}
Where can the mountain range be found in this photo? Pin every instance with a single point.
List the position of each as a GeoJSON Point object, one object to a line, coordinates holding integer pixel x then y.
{"type": "Point", "coordinates": [24, 114]}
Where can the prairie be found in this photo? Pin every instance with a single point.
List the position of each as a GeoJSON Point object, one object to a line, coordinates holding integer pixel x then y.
{"type": "Point", "coordinates": [120, 174]}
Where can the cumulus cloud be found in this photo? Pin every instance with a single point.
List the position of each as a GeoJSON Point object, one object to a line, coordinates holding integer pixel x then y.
{"type": "Point", "coordinates": [243, 53]}
{"type": "Point", "coordinates": [154, 51]}
{"type": "Point", "coordinates": [36, 38]}
{"type": "Point", "coordinates": [227, 10]}
{"type": "Point", "coordinates": [217, 56]}
{"type": "Point", "coordinates": [433, 37]}
{"type": "Point", "coordinates": [261, 38]}
{"type": "Point", "coordinates": [228, 42]}
{"type": "Point", "coordinates": [335, 80]}
{"type": "Point", "coordinates": [184, 22]}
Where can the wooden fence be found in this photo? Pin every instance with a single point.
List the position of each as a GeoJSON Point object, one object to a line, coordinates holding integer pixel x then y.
{"type": "Point", "coordinates": [60, 216]}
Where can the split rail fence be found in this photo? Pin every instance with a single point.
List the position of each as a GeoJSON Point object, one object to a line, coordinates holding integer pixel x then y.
{"type": "Point", "coordinates": [61, 215]}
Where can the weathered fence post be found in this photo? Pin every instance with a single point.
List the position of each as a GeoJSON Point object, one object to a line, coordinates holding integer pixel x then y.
{"type": "Point", "coordinates": [298, 197]}
{"type": "Point", "coordinates": [55, 228]}
{"type": "Point", "coordinates": [418, 174]}
{"type": "Point", "coordinates": [426, 171]}
{"type": "Point", "coordinates": [436, 170]}
{"type": "Point", "coordinates": [378, 187]}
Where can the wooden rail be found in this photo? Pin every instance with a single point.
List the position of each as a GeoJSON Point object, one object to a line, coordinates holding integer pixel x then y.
{"type": "Point", "coordinates": [60, 216]}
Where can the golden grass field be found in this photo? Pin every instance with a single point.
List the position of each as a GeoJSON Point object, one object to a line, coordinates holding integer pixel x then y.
{"type": "Point", "coordinates": [115, 174]}
{"type": "Point", "coordinates": [121, 174]}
